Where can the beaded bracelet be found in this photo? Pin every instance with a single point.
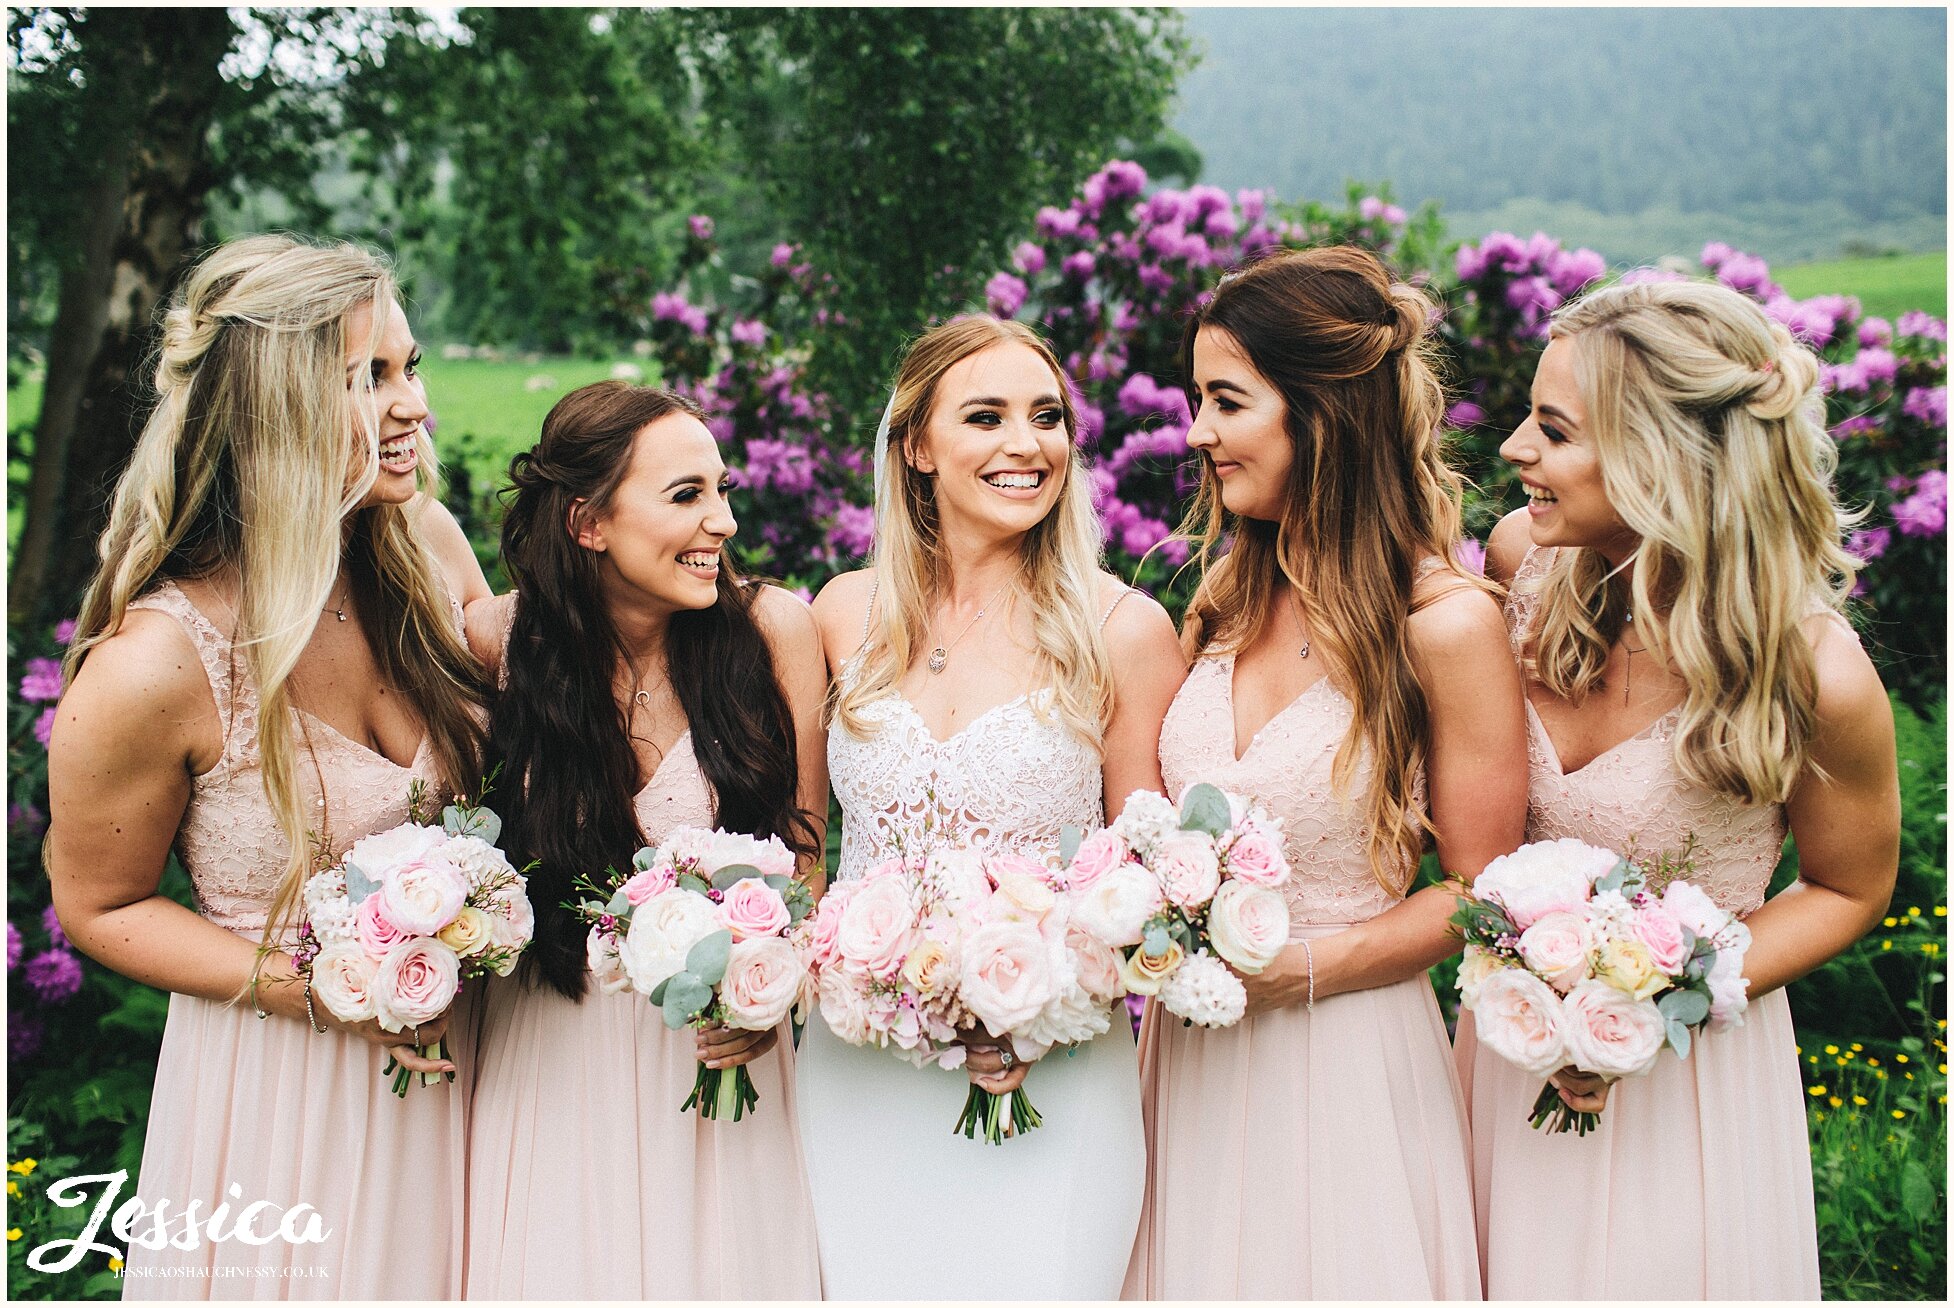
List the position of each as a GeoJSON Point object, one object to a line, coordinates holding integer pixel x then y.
{"type": "Point", "coordinates": [311, 1018]}
{"type": "Point", "coordinates": [1309, 961]}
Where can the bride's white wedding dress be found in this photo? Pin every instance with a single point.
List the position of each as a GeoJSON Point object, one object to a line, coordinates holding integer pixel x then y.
{"type": "Point", "coordinates": [905, 1207]}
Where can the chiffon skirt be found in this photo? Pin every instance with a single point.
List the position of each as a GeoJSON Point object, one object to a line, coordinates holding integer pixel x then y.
{"type": "Point", "coordinates": [585, 1181]}
{"type": "Point", "coordinates": [247, 1110]}
{"type": "Point", "coordinates": [1306, 1155]}
{"type": "Point", "coordinates": [910, 1209]}
{"type": "Point", "coordinates": [1696, 1185]}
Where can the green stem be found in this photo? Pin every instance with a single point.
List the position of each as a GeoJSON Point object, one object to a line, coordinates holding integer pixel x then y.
{"type": "Point", "coordinates": [1551, 1114]}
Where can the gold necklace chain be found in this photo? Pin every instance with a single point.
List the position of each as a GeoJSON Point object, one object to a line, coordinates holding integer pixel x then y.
{"type": "Point", "coordinates": [939, 656]}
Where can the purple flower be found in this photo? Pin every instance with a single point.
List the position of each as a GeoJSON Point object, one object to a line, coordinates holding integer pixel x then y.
{"type": "Point", "coordinates": [783, 254]}
{"type": "Point", "coordinates": [1855, 426]}
{"type": "Point", "coordinates": [1464, 414]}
{"type": "Point", "coordinates": [1371, 208]}
{"type": "Point", "coordinates": [1636, 276]}
{"type": "Point", "coordinates": [41, 682]}
{"type": "Point", "coordinates": [1029, 258]}
{"type": "Point", "coordinates": [1472, 554]}
{"type": "Point", "coordinates": [1573, 269]}
{"type": "Point", "coordinates": [1506, 251]}
{"type": "Point", "coordinates": [1253, 204]}
{"type": "Point", "coordinates": [13, 946]}
{"type": "Point", "coordinates": [701, 227]}
{"type": "Point", "coordinates": [1534, 297]}
{"type": "Point", "coordinates": [1875, 331]}
{"type": "Point", "coordinates": [55, 976]}
{"type": "Point", "coordinates": [1923, 325]}
{"type": "Point", "coordinates": [853, 531]}
{"type": "Point", "coordinates": [1142, 397]}
{"type": "Point", "coordinates": [1924, 513]}
{"type": "Point", "coordinates": [1156, 279]}
{"type": "Point", "coordinates": [694, 320]}
{"type": "Point", "coordinates": [749, 331]}
{"type": "Point", "coordinates": [23, 1036]}
{"type": "Point", "coordinates": [1092, 422]}
{"type": "Point", "coordinates": [1927, 405]}
{"type": "Point", "coordinates": [1221, 225]}
{"type": "Point", "coordinates": [1869, 544]}
{"type": "Point", "coordinates": [51, 923]}
{"type": "Point", "coordinates": [1078, 265]}
{"type": "Point", "coordinates": [44, 726]}
{"type": "Point", "coordinates": [778, 466]}
{"type": "Point", "coordinates": [1469, 263]}
{"type": "Point", "coordinates": [64, 630]}
{"type": "Point", "coordinates": [1714, 254]}
{"type": "Point", "coordinates": [668, 306]}
{"type": "Point", "coordinates": [1877, 365]}
{"type": "Point", "coordinates": [25, 818]}
{"type": "Point", "coordinates": [1123, 178]}
{"type": "Point", "coordinates": [1054, 223]}
{"type": "Point", "coordinates": [1165, 238]}
{"type": "Point", "coordinates": [1123, 247]}
{"type": "Point", "coordinates": [1005, 294]}
{"type": "Point", "coordinates": [1745, 272]}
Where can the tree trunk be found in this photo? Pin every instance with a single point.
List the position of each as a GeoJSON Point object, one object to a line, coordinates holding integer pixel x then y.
{"type": "Point", "coordinates": [156, 90]}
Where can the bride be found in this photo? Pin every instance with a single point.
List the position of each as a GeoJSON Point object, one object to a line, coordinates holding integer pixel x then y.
{"type": "Point", "coordinates": [977, 700]}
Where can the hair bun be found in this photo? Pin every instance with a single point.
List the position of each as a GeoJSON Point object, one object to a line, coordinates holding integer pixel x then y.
{"type": "Point", "coordinates": [1782, 384]}
{"type": "Point", "coordinates": [1411, 315]}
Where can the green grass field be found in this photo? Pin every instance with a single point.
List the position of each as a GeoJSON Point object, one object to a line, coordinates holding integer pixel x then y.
{"type": "Point", "coordinates": [1886, 287]}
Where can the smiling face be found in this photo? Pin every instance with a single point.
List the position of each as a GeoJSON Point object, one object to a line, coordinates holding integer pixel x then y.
{"type": "Point", "coordinates": [1240, 428]}
{"type": "Point", "coordinates": [1555, 453]}
{"type": "Point", "coordinates": [398, 401]}
{"type": "Point", "coordinates": [995, 443]}
{"type": "Point", "coordinates": [659, 537]}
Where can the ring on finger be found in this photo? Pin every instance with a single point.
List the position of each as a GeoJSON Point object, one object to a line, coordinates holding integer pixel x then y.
{"type": "Point", "coordinates": [1004, 1057]}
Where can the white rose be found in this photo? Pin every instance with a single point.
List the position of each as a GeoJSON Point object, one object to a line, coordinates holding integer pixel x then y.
{"type": "Point", "coordinates": [763, 978]}
{"type": "Point", "coordinates": [424, 896]}
{"type": "Point", "coordinates": [1517, 1016]}
{"type": "Point", "coordinates": [600, 951]}
{"type": "Point", "coordinates": [1248, 925]}
{"type": "Point", "coordinates": [1115, 908]}
{"type": "Point", "coordinates": [342, 979]}
{"type": "Point", "coordinates": [663, 930]}
{"type": "Point", "coordinates": [1556, 947]}
{"type": "Point", "coordinates": [1610, 1033]}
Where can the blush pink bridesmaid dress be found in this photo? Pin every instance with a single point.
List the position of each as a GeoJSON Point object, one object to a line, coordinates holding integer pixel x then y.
{"type": "Point", "coordinates": [247, 1110]}
{"type": "Point", "coordinates": [585, 1181]}
{"type": "Point", "coordinates": [1698, 1182]}
{"type": "Point", "coordinates": [1301, 1154]}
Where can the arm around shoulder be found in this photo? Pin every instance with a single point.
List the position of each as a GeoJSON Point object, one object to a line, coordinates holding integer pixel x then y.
{"type": "Point", "coordinates": [445, 540]}
{"type": "Point", "coordinates": [1508, 545]}
{"type": "Point", "coordinates": [1148, 668]}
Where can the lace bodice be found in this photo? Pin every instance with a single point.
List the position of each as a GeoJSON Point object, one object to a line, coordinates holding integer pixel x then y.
{"type": "Point", "coordinates": [1286, 767]}
{"type": "Point", "coordinates": [1634, 794]}
{"type": "Point", "coordinates": [229, 840]}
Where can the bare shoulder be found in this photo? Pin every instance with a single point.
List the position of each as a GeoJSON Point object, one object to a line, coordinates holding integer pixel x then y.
{"type": "Point", "coordinates": [1507, 547]}
{"type": "Point", "coordinates": [446, 541]}
{"type": "Point", "coordinates": [787, 620]}
{"type": "Point", "coordinates": [487, 623]}
{"type": "Point", "coordinates": [841, 608]}
{"type": "Point", "coordinates": [1138, 621]}
{"type": "Point", "coordinates": [143, 691]}
{"type": "Point", "coordinates": [1458, 620]}
{"type": "Point", "coordinates": [1854, 714]}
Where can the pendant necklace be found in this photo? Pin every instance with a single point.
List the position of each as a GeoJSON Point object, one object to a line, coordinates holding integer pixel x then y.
{"type": "Point", "coordinates": [337, 610]}
{"type": "Point", "coordinates": [1298, 605]}
{"type": "Point", "coordinates": [940, 656]}
{"type": "Point", "coordinates": [1628, 659]}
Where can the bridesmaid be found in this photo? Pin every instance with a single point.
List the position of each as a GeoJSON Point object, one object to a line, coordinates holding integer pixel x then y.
{"type": "Point", "coordinates": [1688, 674]}
{"type": "Point", "coordinates": [269, 656]}
{"type": "Point", "coordinates": [645, 686]}
{"type": "Point", "coordinates": [1348, 673]}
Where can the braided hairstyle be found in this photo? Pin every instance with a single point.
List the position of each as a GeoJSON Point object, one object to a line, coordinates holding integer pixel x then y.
{"type": "Point", "coordinates": [558, 729]}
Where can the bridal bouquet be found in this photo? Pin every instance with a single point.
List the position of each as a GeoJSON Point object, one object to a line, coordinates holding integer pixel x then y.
{"type": "Point", "coordinates": [1183, 895]}
{"type": "Point", "coordinates": [405, 916]}
{"type": "Point", "coordinates": [919, 949]}
{"type": "Point", "coordinates": [700, 927]}
{"type": "Point", "coordinates": [1574, 959]}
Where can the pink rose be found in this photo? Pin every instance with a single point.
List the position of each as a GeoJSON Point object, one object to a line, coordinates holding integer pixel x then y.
{"type": "Point", "coordinates": [424, 896]}
{"type": "Point", "coordinates": [751, 908]}
{"type": "Point", "coordinates": [845, 1004]}
{"type": "Point", "coordinates": [820, 933]}
{"type": "Point", "coordinates": [878, 928]}
{"type": "Point", "coordinates": [377, 933]}
{"type": "Point", "coordinates": [1556, 947]}
{"type": "Point", "coordinates": [654, 880]}
{"type": "Point", "coordinates": [1097, 964]}
{"type": "Point", "coordinates": [415, 984]}
{"type": "Point", "coordinates": [1257, 858]}
{"type": "Point", "coordinates": [1519, 1018]}
{"type": "Point", "coordinates": [763, 978]}
{"type": "Point", "coordinates": [1007, 975]}
{"type": "Point", "coordinates": [1609, 1033]}
{"type": "Point", "coordinates": [1188, 868]}
{"type": "Point", "coordinates": [1098, 854]}
{"type": "Point", "coordinates": [1248, 925]}
{"type": "Point", "coordinates": [1659, 929]}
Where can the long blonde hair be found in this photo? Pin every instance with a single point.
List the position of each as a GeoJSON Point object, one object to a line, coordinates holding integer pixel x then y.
{"type": "Point", "coordinates": [256, 455]}
{"type": "Point", "coordinates": [1708, 427]}
{"type": "Point", "coordinates": [1370, 498]}
{"type": "Point", "coordinates": [1060, 559]}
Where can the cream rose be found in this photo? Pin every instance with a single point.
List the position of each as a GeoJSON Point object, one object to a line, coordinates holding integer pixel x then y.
{"type": "Point", "coordinates": [1144, 976]}
{"type": "Point", "coordinates": [415, 984]}
{"type": "Point", "coordinates": [763, 977]}
{"type": "Point", "coordinates": [1007, 975]}
{"type": "Point", "coordinates": [1117, 907]}
{"type": "Point", "coordinates": [1610, 1034]}
{"type": "Point", "coordinates": [1188, 868]}
{"type": "Point", "coordinates": [1248, 925]}
{"type": "Point", "coordinates": [468, 935]}
{"type": "Point", "coordinates": [1556, 947]}
{"type": "Point", "coordinates": [424, 896]}
{"type": "Point", "coordinates": [1626, 966]}
{"type": "Point", "coordinates": [1021, 898]}
{"type": "Point", "coordinates": [932, 968]}
{"type": "Point", "coordinates": [1474, 967]}
{"type": "Point", "coordinates": [342, 978]}
{"type": "Point", "coordinates": [1518, 1017]}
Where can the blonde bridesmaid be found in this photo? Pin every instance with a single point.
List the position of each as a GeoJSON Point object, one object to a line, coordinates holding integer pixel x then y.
{"type": "Point", "coordinates": [268, 659]}
{"type": "Point", "coordinates": [1676, 584]}
{"type": "Point", "coordinates": [1354, 678]}
{"type": "Point", "coordinates": [644, 686]}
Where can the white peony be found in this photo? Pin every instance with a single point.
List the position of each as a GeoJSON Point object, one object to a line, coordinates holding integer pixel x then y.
{"type": "Point", "coordinates": [1205, 992]}
{"type": "Point", "coordinates": [1729, 987]}
{"type": "Point", "coordinates": [1543, 877]}
{"type": "Point", "coordinates": [1070, 1018]}
{"type": "Point", "coordinates": [512, 923]}
{"type": "Point", "coordinates": [424, 896]}
{"type": "Point", "coordinates": [379, 854]}
{"type": "Point", "coordinates": [1694, 909]}
{"type": "Point", "coordinates": [663, 930]}
{"type": "Point", "coordinates": [731, 847]}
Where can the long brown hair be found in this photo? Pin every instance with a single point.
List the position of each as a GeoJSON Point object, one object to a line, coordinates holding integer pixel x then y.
{"type": "Point", "coordinates": [1370, 497]}
{"type": "Point", "coordinates": [569, 776]}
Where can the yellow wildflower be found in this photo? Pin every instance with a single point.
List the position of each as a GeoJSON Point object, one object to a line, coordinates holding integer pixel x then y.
{"type": "Point", "coordinates": [1816, 1091]}
{"type": "Point", "coordinates": [1858, 1048]}
{"type": "Point", "coordinates": [115, 1264]}
{"type": "Point", "coordinates": [1913, 912]}
{"type": "Point", "coordinates": [1940, 910]}
{"type": "Point", "coordinates": [1891, 922]}
{"type": "Point", "coordinates": [1898, 1114]}
{"type": "Point", "coordinates": [1860, 1100]}
{"type": "Point", "coordinates": [1886, 944]}
{"type": "Point", "coordinates": [1831, 1049]}
{"type": "Point", "coordinates": [13, 1189]}
{"type": "Point", "coordinates": [1837, 1102]}
{"type": "Point", "coordinates": [1872, 1062]}
{"type": "Point", "coordinates": [24, 1167]}
{"type": "Point", "coordinates": [1899, 1058]}
{"type": "Point", "coordinates": [13, 1233]}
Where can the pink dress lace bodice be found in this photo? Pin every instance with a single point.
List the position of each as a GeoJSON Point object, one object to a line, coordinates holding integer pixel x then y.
{"type": "Point", "coordinates": [1286, 767]}
{"type": "Point", "coordinates": [1634, 793]}
{"type": "Point", "coordinates": [229, 841]}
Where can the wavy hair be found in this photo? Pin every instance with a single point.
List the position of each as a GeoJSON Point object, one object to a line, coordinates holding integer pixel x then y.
{"type": "Point", "coordinates": [1708, 426]}
{"type": "Point", "coordinates": [557, 728]}
{"type": "Point", "coordinates": [1059, 560]}
{"type": "Point", "coordinates": [255, 458]}
{"type": "Point", "coordinates": [1370, 496]}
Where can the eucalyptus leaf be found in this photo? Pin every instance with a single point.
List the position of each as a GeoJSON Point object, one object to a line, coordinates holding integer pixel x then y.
{"type": "Point", "coordinates": [1069, 840]}
{"type": "Point", "coordinates": [783, 884]}
{"type": "Point", "coordinates": [707, 959]}
{"type": "Point", "coordinates": [1678, 1038]}
{"type": "Point", "coordinates": [685, 995]}
{"type": "Point", "coordinates": [620, 903]}
{"type": "Point", "coordinates": [675, 1017]}
{"type": "Point", "coordinates": [725, 877]}
{"type": "Point", "coordinates": [358, 884]}
{"type": "Point", "coordinates": [692, 881]}
{"type": "Point", "coordinates": [658, 992]}
{"type": "Point", "coordinates": [1205, 809]}
{"type": "Point", "coordinates": [1616, 876]}
{"type": "Point", "coordinates": [1155, 943]}
{"type": "Point", "coordinates": [644, 858]}
{"type": "Point", "coordinates": [1181, 931]}
{"type": "Point", "coordinates": [1686, 1006]}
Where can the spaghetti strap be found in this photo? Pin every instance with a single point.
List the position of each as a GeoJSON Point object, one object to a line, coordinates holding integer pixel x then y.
{"type": "Point", "coordinates": [868, 615]}
{"type": "Point", "coordinates": [1106, 617]}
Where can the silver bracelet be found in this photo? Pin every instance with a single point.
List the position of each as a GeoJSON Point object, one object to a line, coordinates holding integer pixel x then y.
{"type": "Point", "coordinates": [311, 1018]}
{"type": "Point", "coordinates": [1309, 961]}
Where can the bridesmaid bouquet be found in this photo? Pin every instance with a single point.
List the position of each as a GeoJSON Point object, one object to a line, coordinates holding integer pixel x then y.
{"type": "Point", "coordinates": [1573, 958]}
{"type": "Point", "coordinates": [700, 927]}
{"type": "Point", "coordinates": [1184, 895]}
{"type": "Point", "coordinates": [918, 949]}
{"type": "Point", "coordinates": [393, 929]}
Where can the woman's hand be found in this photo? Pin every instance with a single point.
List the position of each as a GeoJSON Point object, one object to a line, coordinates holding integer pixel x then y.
{"type": "Point", "coordinates": [990, 1063]}
{"type": "Point", "coordinates": [405, 1045]}
{"type": "Point", "coordinates": [722, 1046]}
{"type": "Point", "coordinates": [1584, 1092]}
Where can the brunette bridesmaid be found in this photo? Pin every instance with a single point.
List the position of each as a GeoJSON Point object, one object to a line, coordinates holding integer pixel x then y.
{"type": "Point", "coordinates": [1676, 584]}
{"type": "Point", "coordinates": [1351, 676]}
{"type": "Point", "coordinates": [268, 659]}
{"type": "Point", "coordinates": [644, 686]}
